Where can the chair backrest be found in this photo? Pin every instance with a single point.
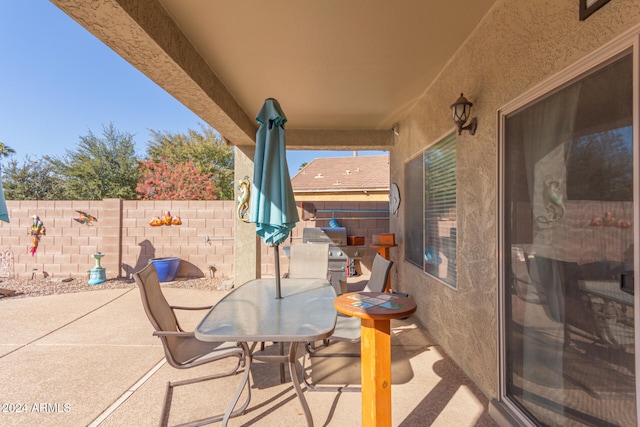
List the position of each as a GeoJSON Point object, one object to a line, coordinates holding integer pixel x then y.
{"type": "Point", "coordinates": [309, 261]}
{"type": "Point", "coordinates": [155, 304]}
{"type": "Point", "coordinates": [179, 350]}
{"type": "Point", "coordinates": [379, 274]}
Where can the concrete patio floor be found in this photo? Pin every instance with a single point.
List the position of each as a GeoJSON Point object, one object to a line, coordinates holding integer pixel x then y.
{"type": "Point", "coordinates": [90, 359]}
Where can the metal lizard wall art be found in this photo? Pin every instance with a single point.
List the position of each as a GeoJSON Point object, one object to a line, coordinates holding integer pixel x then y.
{"type": "Point", "coordinates": [554, 207]}
{"type": "Point", "coordinates": [243, 199]}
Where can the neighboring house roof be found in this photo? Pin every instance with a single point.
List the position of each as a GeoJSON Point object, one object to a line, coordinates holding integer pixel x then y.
{"type": "Point", "coordinates": [347, 178]}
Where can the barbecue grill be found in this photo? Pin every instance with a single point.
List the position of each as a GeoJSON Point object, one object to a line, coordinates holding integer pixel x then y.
{"type": "Point", "coordinates": [339, 251]}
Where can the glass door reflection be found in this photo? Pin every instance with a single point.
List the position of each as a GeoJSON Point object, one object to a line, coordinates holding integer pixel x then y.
{"type": "Point", "coordinates": [568, 239]}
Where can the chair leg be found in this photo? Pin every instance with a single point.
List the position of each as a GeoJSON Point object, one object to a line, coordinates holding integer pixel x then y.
{"type": "Point", "coordinates": [244, 382]}
{"type": "Point", "coordinates": [166, 405]}
{"type": "Point", "coordinates": [230, 412]}
{"type": "Point", "coordinates": [281, 350]}
{"type": "Point", "coordinates": [314, 387]}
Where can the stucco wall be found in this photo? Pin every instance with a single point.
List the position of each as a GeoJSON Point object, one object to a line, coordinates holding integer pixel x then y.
{"type": "Point", "coordinates": [518, 45]}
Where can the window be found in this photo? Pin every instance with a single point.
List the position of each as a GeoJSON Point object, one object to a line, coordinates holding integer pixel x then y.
{"type": "Point", "coordinates": [440, 223]}
{"type": "Point", "coordinates": [431, 220]}
{"type": "Point", "coordinates": [413, 202]}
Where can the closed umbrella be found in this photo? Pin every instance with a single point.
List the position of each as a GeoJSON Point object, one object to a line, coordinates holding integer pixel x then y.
{"type": "Point", "coordinates": [4, 213]}
{"type": "Point", "coordinates": [272, 207]}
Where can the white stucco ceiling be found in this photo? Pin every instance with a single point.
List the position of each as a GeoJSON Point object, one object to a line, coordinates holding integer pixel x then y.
{"type": "Point", "coordinates": [332, 64]}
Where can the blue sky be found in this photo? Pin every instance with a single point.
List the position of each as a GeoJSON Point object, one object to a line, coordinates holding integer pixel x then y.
{"type": "Point", "coordinates": [58, 82]}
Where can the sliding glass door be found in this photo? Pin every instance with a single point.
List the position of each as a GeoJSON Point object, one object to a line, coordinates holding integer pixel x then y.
{"type": "Point", "coordinates": [568, 200]}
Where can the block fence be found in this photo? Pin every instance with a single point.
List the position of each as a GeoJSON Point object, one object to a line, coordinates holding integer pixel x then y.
{"type": "Point", "coordinates": [204, 241]}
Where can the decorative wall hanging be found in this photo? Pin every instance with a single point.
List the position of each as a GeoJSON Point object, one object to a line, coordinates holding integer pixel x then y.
{"type": "Point", "coordinates": [85, 218]}
{"type": "Point", "coordinates": [588, 7]}
{"type": "Point", "coordinates": [166, 219]}
{"type": "Point", "coordinates": [243, 199]}
{"type": "Point", "coordinates": [37, 231]}
{"type": "Point", "coordinates": [554, 205]}
{"type": "Point", "coordinates": [394, 199]}
{"type": "Point", "coordinates": [6, 264]}
{"type": "Point", "coordinates": [608, 220]}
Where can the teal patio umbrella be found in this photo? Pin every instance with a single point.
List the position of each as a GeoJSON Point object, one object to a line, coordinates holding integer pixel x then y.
{"type": "Point", "coordinates": [272, 207]}
{"type": "Point", "coordinates": [4, 213]}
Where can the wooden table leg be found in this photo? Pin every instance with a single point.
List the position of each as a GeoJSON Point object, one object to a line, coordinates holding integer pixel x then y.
{"type": "Point", "coordinates": [384, 252]}
{"type": "Point", "coordinates": [375, 344]}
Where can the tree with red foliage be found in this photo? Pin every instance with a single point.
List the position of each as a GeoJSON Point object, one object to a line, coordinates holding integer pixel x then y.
{"type": "Point", "coordinates": [164, 180]}
{"type": "Point", "coordinates": [210, 153]}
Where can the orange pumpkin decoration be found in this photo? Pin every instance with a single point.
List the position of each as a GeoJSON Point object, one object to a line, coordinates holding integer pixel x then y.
{"type": "Point", "coordinates": [155, 222]}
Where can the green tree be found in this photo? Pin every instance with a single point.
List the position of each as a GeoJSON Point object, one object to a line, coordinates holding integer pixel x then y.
{"type": "Point", "coordinates": [208, 151]}
{"type": "Point", "coordinates": [33, 180]}
{"type": "Point", "coordinates": [101, 168]}
{"type": "Point", "coordinates": [599, 167]}
{"type": "Point", "coordinates": [5, 151]}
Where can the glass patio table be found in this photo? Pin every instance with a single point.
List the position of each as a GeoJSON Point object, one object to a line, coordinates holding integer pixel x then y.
{"type": "Point", "coordinates": [251, 313]}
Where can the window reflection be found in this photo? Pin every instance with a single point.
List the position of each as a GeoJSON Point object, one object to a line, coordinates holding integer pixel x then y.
{"type": "Point", "coordinates": [568, 210]}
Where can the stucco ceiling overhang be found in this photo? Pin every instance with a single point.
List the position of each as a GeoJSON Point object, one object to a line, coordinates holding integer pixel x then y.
{"type": "Point", "coordinates": [344, 71]}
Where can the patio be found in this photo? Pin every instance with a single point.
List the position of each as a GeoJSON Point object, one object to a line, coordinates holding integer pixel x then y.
{"type": "Point", "coordinates": [90, 359]}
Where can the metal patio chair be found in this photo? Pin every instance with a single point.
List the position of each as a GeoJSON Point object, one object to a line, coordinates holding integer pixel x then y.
{"type": "Point", "coordinates": [183, 351]}
{"type": "Point", "coordinates": [348, 328]}
{"type": "Point", "coordinates": [308, 261]}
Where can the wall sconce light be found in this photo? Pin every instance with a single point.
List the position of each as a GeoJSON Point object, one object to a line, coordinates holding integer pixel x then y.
{"type": "Point", "coordinates": [461, 111]}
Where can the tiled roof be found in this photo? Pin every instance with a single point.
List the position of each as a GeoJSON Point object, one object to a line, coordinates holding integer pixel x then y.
{"type": "Point", "coordinates": [344, 173]}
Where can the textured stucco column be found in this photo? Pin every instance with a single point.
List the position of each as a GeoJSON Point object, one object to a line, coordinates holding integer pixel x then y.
{"type": "Point", "coordinates": [110, 233]}
{"type": "Point", "coordinates": [246, 250]}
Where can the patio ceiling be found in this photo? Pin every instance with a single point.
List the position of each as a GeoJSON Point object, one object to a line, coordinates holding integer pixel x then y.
{"type": "Point", "coordinates": [345, 72]}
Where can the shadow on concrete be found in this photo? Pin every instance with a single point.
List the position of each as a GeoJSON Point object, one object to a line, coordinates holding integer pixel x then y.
{"type": "Point", "coordinates": [436, 402]}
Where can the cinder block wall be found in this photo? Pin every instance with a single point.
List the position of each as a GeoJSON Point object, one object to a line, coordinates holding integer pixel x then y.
{"type": "Point", "coordinates": [359, 218]}
{"type": "Point", "coordinates": [124, 235]}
